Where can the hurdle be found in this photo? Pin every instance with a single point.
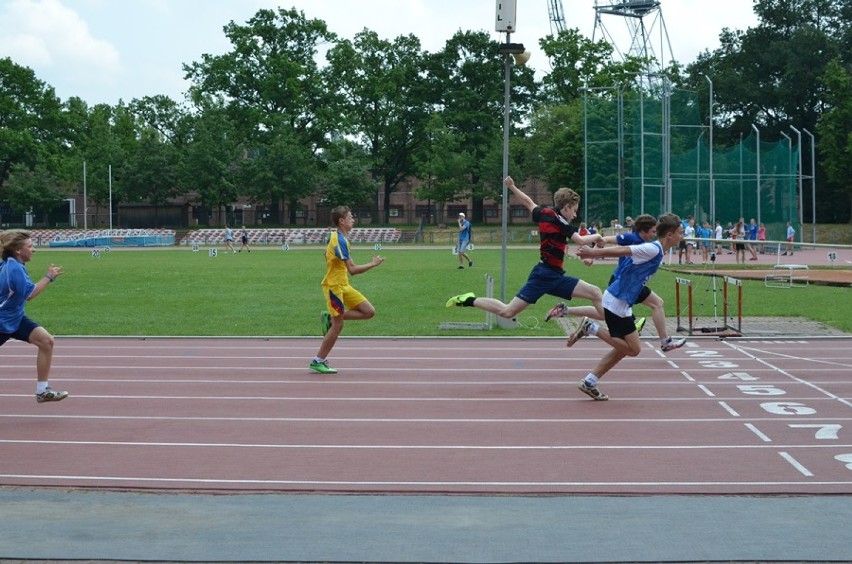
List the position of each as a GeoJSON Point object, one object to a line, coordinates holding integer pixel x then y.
{"type": "Point", "coordinates": [727, 329]}
{"type": "Point", "coordinates": [688, 283]}
{"type": "Point", "coordinates": [725, 305]}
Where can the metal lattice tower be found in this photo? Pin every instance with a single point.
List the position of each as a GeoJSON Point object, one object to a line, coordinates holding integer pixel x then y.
{"type": "Point", "coordinates": [557, 16]}
{"type": "Point", "coordinates": [650, 41]}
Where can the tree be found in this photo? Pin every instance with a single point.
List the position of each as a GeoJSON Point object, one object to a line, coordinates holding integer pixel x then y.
{"type": "Point", "coordinates": [443, 166]}
{"type": "Point", "coordinates": [347, 180]}
{"type": "Point", "coordinates": [282, 169]}
{"type": "Point", "coordinates": [466, 78]}
{"type": "Point", "coordinates": [384, 102]}
{"type": "Point", "coordinates": [210, 160]}
{"type": "Point", "coordinates": [33, 190]}
{"type": "Point", "coordinates": [30, 124]}
{"type": "Point", "coordinates": [835, 143]}
{"type": "Point", "coordinates": [272, 90]}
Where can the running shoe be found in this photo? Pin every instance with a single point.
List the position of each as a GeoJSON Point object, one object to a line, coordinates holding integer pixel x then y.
{"type": "Point", "coordinates": [581, 331]}
{"type": "Point", "coordinates": [556, 311]}
{"type": "Point", "coordinates": [640, 324]}
{"type": "Point", "coordinates": [325, 317]}
{"type": "Point", "coordinates": [672, 344]}
{"type": "Point", "coordinates": [460, 299]}
{"type": "Point", "coordinates": [592, 391]}
{"type": "Point", "coordinates": [49, 394]}
{"type": "Point", "coordinates": [322, 367]}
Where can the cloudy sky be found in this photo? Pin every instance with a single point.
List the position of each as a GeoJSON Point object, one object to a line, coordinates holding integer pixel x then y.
{"type": "Point", "coordinates": [107, 50]}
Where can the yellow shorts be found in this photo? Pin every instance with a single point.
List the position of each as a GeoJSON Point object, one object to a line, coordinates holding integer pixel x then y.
{"type": "Point", "coordinates": [340, 298]}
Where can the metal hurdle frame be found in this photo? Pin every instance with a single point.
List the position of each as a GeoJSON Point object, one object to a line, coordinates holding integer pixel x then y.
{"type": "Point", "coordinates": [690, 328]}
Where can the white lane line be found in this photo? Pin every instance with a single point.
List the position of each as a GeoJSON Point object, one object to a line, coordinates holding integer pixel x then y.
{"type": "Point", "coordinates": [795, 463]}
{"type": "Point", "coordinates": [757, 432]}
{"type": "Point", "coordinates": [411, 483]}
{"type": "Point", "coordinates": [409, 447]}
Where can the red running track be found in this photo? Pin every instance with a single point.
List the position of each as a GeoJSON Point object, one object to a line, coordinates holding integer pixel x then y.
{"type": "Point", "coordinates": [457, 415]}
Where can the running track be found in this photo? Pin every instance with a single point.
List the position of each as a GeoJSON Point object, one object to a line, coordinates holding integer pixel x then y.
{"type": "Point", "coordinates": [458, 415]}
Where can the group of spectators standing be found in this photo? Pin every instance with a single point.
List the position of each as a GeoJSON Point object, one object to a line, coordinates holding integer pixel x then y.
{"type": "Point", "coordinates": [741, 237]}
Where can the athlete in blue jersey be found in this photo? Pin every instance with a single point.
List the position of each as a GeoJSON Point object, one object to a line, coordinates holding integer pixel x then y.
{"type": "Point", "coordinates": [640, 264]}
{"type": "Point", "coordinates": [645, 229]}
{"type": "Point", "coordinates": [16, 289]}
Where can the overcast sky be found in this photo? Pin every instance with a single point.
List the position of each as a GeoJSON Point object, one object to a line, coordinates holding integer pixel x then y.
{"type": "Point", "coordinates": [107, 50]}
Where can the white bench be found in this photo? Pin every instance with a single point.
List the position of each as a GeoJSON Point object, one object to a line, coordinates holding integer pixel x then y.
{"type": "Point", "coordinates": [787, 276]}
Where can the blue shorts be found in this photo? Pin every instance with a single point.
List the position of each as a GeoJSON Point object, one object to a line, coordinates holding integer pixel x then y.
{"type": "Point", "coordinates": [23, 333]}
{"type": "Point", "coordinates": [463, 245]}
{"type": "Point", "coordinates": [543, 280]}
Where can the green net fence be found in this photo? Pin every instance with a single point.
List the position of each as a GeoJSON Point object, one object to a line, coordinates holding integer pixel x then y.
{"type": "Point", "coordinates": [647, 150]}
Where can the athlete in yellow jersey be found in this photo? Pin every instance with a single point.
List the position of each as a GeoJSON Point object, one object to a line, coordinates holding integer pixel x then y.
{"type": "Point", "coordinates": [343, 302]}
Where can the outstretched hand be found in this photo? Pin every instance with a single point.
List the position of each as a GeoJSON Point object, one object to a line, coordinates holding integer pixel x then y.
{"type": "Point", "coordinates": [585, 252]}
{"type": "Point", "coordinates": [53, 271]}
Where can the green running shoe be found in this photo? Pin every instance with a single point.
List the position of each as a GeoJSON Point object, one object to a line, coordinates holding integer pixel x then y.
{"type": "Point", "coordinates": [322, 367]}
{"type": "Point", "coordinates": [460, 299]}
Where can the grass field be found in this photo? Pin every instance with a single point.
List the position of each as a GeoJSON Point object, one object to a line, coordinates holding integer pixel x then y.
{"type": "Point", "coordinates": [178, 292]}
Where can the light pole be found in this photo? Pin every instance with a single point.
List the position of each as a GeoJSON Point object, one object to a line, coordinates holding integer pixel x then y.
{"type": "Point", "coordinates": [505, 23]}
{"type": "Point", "coordinates": [813, 181]}
{"type": "Point", "coordinates": [710, 156]}
{"type": "Point", "coordinates": [757, 150]}
{"type": "Point", "coordinates": [801, 201]}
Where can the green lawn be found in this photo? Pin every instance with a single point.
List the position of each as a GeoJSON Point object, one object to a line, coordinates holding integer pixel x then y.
{"type": "Point", "coordinates": [178, 292]}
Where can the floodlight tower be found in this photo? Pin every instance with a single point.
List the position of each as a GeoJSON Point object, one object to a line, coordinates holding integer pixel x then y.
{"type": "Point", "coordinates": [557, 16]}
{"type": "Point", "coordinates": [641, 40]}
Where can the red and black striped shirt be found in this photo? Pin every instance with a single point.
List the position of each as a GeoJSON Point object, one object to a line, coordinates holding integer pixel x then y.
{"type": "Point", "coordinates": [554, 231]}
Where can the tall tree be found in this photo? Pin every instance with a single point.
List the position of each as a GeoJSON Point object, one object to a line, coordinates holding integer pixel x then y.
{"type": "Point", "coordinates": [467, 81]}
{"type": "Point", "coordinates": [835, 144]}
{"type": "Point", "coordinates": [273, 89]}
{"type": "Point", "coordinates": [443, 167]}
{"type": "Point", "coordinates": [31, 125]}
{"type": "Point", "coordinates": [210, 159]}
{"type": "Point", "coordinates": [382, 85]}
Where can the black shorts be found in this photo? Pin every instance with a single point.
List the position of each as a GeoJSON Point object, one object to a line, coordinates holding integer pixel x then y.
{"type": "Point", "coordinates": [25, 329]}
{"type": "Point", "coordinates": [682, 244]}
{"type": "Point", "coordinates": [619, 327]}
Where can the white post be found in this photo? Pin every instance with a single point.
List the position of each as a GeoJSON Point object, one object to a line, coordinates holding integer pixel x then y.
{"type": "Point", "coordinates": [710, 163]}
{"type": "Point", "coordinates": [110, 197]}
{"type": "Point", "coordinates": [813, 181]}
{"type": "Point", "coordinates": [801, 200]}
{"type": "Point", "coordinates": [757, 150]}
{"type": "Point", "coordinates": [85, 203]}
